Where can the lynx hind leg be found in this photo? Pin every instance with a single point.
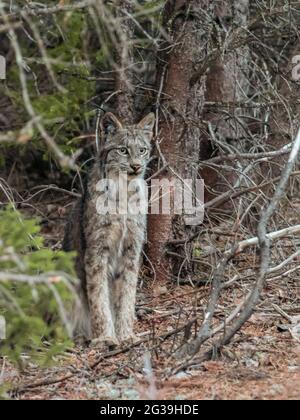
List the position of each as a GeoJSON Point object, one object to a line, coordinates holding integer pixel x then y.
{"type": "Point", "coordinates": [102, 320]}
{"type": "Point", "coordinates": [125, 286]}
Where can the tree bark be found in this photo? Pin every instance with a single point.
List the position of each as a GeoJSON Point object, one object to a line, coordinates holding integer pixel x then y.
{"type": "Point", "coordinates": [180, 121]}
{"type": "Point", "coordinates": [124, 72]}
{"type": "Point", "coordinates": [227, 82]}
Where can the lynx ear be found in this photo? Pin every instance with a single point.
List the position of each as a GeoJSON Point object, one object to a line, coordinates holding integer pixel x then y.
{"type": "Point", "coordinates": [110, 124]}
{"type": "Point", "coordinates": [147, 123]}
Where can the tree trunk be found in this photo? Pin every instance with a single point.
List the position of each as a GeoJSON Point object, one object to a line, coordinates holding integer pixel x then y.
{"type": "Point", "coordinates": [227, 83]}
{"type": "Point", "coordinates": [180, 123]}
{"type": "Point", "coordinates": [124, 62]}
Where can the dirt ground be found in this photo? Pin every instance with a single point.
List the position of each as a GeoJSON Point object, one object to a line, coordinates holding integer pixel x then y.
{"type": "Point", "coordinates": [262, 362]}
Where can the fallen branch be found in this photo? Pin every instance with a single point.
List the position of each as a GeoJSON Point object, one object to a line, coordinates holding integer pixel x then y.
{"type": "Point", "coordinates": [28, 387]}
{"type": "Point", "coordinates": [292, 230]}
{"type": "Point", "coordinates": [241, 246]}
{"type": "Point", "coordinates": [284, 263]}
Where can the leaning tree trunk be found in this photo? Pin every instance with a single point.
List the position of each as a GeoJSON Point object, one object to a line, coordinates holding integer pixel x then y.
{"type": "Point", "coordinates": [227, 85]}
{"type": "Point", "coordinates": [180, 125]}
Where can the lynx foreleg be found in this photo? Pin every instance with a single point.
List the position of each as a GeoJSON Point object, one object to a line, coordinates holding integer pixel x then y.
{"type": "Point", "coordinates": [125, 295]}
{"type": "Point", "coordinates": [102, 321]}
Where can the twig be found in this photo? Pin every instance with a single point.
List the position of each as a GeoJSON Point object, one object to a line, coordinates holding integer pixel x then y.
{"type": "Point", "coordinates": [292, 230]}
{"type": "Point", "coordinates": [252, 299]}
{"type": "Point", "coordinates": [28, 387]}
{"type": "Point", "coordinates": [282, 313]}
{"type": "Point", "coordinates": [65, 161]}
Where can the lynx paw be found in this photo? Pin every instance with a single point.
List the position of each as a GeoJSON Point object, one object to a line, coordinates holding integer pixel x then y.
{"type": "Point", "coordinates": [104, 343]}
{"type": "Point", "coordinates": [81, 341]}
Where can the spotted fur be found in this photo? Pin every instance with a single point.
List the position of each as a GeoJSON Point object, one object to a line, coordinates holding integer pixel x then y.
{"type": "Point", "coordinates": [109, 246]}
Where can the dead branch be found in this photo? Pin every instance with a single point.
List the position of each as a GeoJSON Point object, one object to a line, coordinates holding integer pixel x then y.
{"type": "Point", "coordinates": [252, 299]}
{"type": "Point", "coordinates": [292, 230]}
{"type": "Point", "coordinates": [204, 334]}
{"type": "Point", "coordinates": [232, 195]}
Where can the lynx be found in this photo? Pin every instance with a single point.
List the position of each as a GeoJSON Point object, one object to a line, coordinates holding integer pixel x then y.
{"type": "Point", "coordinates": [109, 246]}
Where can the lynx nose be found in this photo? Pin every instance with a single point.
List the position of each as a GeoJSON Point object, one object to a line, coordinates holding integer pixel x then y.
{"type": "Point", "coordinates": [136, 168]}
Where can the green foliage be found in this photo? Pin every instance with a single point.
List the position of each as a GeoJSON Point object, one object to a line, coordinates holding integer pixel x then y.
{"type": "Point", "coordinates": [197, 252]}
{"type": "Point", "coordinates": [31, 310]}
{"type": "Point", "coordinates": [65, 111]}
{"type": "Point", "coordinates": [78, 46]}
{"type": "Point", "coordinates": [151, 4]}
{"type": "Point", "coordinates": [69, 105]}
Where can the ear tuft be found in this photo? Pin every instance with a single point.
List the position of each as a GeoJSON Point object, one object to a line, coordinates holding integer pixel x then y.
{"type": "Point", "coordinates": [110, 124]}
{"type": "Point", "coordinates": [147, 123]}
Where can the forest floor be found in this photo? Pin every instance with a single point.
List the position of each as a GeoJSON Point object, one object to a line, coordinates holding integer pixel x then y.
{"type": "Point", "coordinates": [262, 361]}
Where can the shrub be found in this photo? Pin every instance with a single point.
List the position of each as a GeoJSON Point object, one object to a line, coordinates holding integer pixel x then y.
{"type": "Point", "coordinates": [35, 291]}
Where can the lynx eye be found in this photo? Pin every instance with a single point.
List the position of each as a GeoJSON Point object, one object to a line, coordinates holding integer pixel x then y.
{"type": "Point", "coordinates": [123, 151]}
{"type": "Point", "coordinates": [143, 150]}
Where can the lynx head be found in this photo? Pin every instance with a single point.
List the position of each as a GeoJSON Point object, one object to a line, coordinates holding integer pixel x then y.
{"type": "Point", "coordinates": [127, 148]}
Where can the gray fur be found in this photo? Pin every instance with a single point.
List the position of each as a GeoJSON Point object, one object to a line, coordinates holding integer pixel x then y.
{"type": "Point", "coordinates": [109, 246]}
